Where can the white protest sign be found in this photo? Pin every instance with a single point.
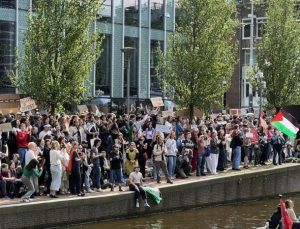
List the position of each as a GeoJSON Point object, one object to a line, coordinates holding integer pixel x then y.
{"type": "Point", "coordinates": [194, 126]}
{"type": "Point", "coordinates": [6, 127]}
{"type": "Point", "coordinates": [249, 135]}
{"type": "Point", "coordinates": [157, 102]}
{"type": "Point", "coordinates": [82, 109]}
{"type": "Point", "coordinates": [27, 104]}
{"type": "Point", "coordinates": [163, 128]}
{"type": "Point", "coordinates": [167, 113]}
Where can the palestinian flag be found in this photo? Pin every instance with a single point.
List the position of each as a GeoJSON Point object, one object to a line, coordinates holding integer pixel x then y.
{"type": "Point", "coordinates": [285, 123]}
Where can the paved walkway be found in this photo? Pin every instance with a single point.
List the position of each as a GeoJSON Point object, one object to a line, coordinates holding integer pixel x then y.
{"type": "Point", "coordinates": [151, 183]}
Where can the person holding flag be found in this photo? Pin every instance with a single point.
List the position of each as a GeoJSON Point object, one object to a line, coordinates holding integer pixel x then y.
{"type": "Point", "coordinates": [286, 219]}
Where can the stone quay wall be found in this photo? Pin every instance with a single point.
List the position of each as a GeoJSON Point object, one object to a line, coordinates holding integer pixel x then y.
{"type": "Point", "coordinates": [239, 186]}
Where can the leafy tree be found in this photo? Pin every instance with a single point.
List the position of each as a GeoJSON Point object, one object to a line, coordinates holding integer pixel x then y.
{"type": "Point", "coordinates": [201, 54]}
{"type": "Point", "coordinates": [60, 48]}
{"type": "Point", "coordinates": [279, 54]}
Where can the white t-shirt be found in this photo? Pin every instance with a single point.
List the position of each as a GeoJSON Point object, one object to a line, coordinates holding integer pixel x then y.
{"type": "Point", "coordinates": [29, 156]}
{"type": "Point", "coordinates": [136, 177]}
{"type": "Point", "coordinates": [55, 157]}
{"type": "Point", "coordinates": [44, 133]}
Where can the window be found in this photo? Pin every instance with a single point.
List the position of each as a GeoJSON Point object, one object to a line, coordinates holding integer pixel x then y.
{"type": "Point", "coordinates": [260, 24]}
{"type": "Point", "coordinates": [154, 82]}
{"type": "Point", "coordinates": [105, 11]}
{"type": "Point", "coordinates": [8, 3]}
{"type": "Point", "coordinates": [246, 28]}
{"type": "Point", "coordinates": [246, 57]}
{"type": "Point", "coordinates": [103, 69]}
{"type": "Point", "coordinates": [131, 8]}
{"type": "Point", "coordinates": [7, 53]}
{"type": "Point", "coordinates": [247, 89]}
{"type": "Point", "coordinates": [134, 65]}
{"type": "Point", "coordinates": [157, 14]}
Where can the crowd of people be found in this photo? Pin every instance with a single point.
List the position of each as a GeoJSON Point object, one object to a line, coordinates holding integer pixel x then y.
{"type": "Point", "coordinates": [84, 153]}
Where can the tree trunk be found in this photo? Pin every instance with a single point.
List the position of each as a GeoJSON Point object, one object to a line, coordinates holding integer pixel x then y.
{"type": "Point", "coordinates": [52, 107]}
{"type": "Point", "coordinates": [191, 111]}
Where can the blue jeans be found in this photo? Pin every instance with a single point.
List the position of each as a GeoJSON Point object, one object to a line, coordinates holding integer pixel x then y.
{"type": "Point", "coordinates": [97, 173]}
{"type": "Point", "coordinates": [200, 164]}
{"type": "Point", "coordinates": [22, 152]}
{"type": "Point", "coordinates": [116, 176]}
{"type": "Point", "coordinates": [171, 165]}
{"type": "Point", "coordinates": [277, 149]}
{"type": "Point", "coordinates": [236, 157]}
{"type": "Point", "coordinates": [87, 180]}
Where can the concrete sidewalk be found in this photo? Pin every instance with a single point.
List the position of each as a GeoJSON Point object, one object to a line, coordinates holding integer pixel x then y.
{"type": "Point", "coordinates": [150, 182]}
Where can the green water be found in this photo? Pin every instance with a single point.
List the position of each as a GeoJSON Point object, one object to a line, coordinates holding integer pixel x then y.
{"type": "Point", "coordinates": [244, 215]}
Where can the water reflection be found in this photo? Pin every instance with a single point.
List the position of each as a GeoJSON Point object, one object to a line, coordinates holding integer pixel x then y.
{"type": "Point", "coordinates": [245, 215]}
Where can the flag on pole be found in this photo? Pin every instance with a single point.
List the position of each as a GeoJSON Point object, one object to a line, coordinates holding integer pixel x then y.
{"type": "Point", "coordinates": [287, 221]}
{"type": "Point", "coordinates": [284, 123]}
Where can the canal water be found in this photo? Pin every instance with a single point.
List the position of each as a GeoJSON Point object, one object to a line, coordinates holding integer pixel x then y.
{"type": "Point", "coordinates": [244, 215]}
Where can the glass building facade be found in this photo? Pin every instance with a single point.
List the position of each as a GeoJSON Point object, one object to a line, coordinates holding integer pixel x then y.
{"type": "Point", "coordinates": [142, 24]}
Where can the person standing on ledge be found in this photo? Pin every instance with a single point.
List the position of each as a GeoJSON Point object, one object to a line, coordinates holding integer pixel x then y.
{"type": "Point", "coordinates": [135, 184]}
{"type": "Point", "coordinates": [30, 170]}
{"type": "Point", "coordinates": [159, 153]}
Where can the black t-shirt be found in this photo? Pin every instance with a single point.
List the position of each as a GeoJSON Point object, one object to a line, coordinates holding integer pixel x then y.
{"type": "Point", "coordinates": [46, 156]}
{"type": "Point", "coordinates": [76, 164]}
{"type": "Point", "coordinates": [115, 163]}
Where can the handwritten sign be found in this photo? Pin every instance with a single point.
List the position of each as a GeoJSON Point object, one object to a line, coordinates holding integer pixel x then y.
{"type": "Point", "coordinates": [6, 127]}
{"type": "Point", "coordinates": [249, 135]}
{"type": "Point", "coordinates": [27, 104]}
{"type": "Point", "coordinates": [157, 102]}
{"type": "Point", "coordinates": [82, 109]}
{"type": "Point", "coordinates": [167, 113]}
{"type": "Point", "coordinates": [194, 126]}
{"type": "Point", "coordinates": [163, 128]}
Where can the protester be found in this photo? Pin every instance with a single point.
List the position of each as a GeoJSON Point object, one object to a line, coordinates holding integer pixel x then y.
{"type": "Point", "coordinates": [159, 154]}
{"type": "Point", "coordinates": [135, 184]}
{"type": "Point", "coordinates": [96, 165]}
{"type": "Point", "coordinates": [131, 158]}
{"type": "Point", "coordinates": [171, 154]}
{"type": "Point", "coordinates": [116, 160]}
{"type": "Point", "coordinates": [32, 169]}
{"type": "Point", "coordinates": [56, 168]}
{"type": "Point", "coordinates": [78, 152]}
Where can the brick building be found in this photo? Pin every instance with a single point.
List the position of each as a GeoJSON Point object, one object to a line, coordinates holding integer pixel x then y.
{"type": "Point", "coordinates": [240, 94]}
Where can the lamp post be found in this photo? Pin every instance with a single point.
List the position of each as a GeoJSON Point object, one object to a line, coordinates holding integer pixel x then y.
{"type": "Point", "coordinates": [224, 83]}
{"type": "Point", "coordinates": [262, 86]}
{"type": "Point", "coordinates": [128, 50]}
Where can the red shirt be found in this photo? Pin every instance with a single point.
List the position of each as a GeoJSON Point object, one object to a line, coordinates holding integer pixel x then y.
{"type": "Point", "coordinates": [23, 139]}
{"type": "Point", "coordinates": [255, 138]}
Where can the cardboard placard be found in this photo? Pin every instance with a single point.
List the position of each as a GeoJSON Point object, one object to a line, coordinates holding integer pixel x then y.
{"type": "Point", "coordinates": [82, 109]}
{"type": "Point", "coordinates": [194, 126]}
{"type": "Point", "coordinates": [163, 128]}
{"type": "Point", "coordinates": [249, 135]}
{"type": "Point", "coordinates": [157, 102]}
{"type": "Point", "coordinates": [6, 127]}
{"type": "Point", "coordinates": [27, 104]}
{"type": "Point", "coordinates": [94, 109]}
{"type": "Point", "coordinates": [167, 113]}
{"type": "Point", "coordinates": [235, 112]}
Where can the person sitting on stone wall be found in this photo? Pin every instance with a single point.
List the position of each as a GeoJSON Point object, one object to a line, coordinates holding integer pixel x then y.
{"type": "Point", "coordinates": [183, 167]}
